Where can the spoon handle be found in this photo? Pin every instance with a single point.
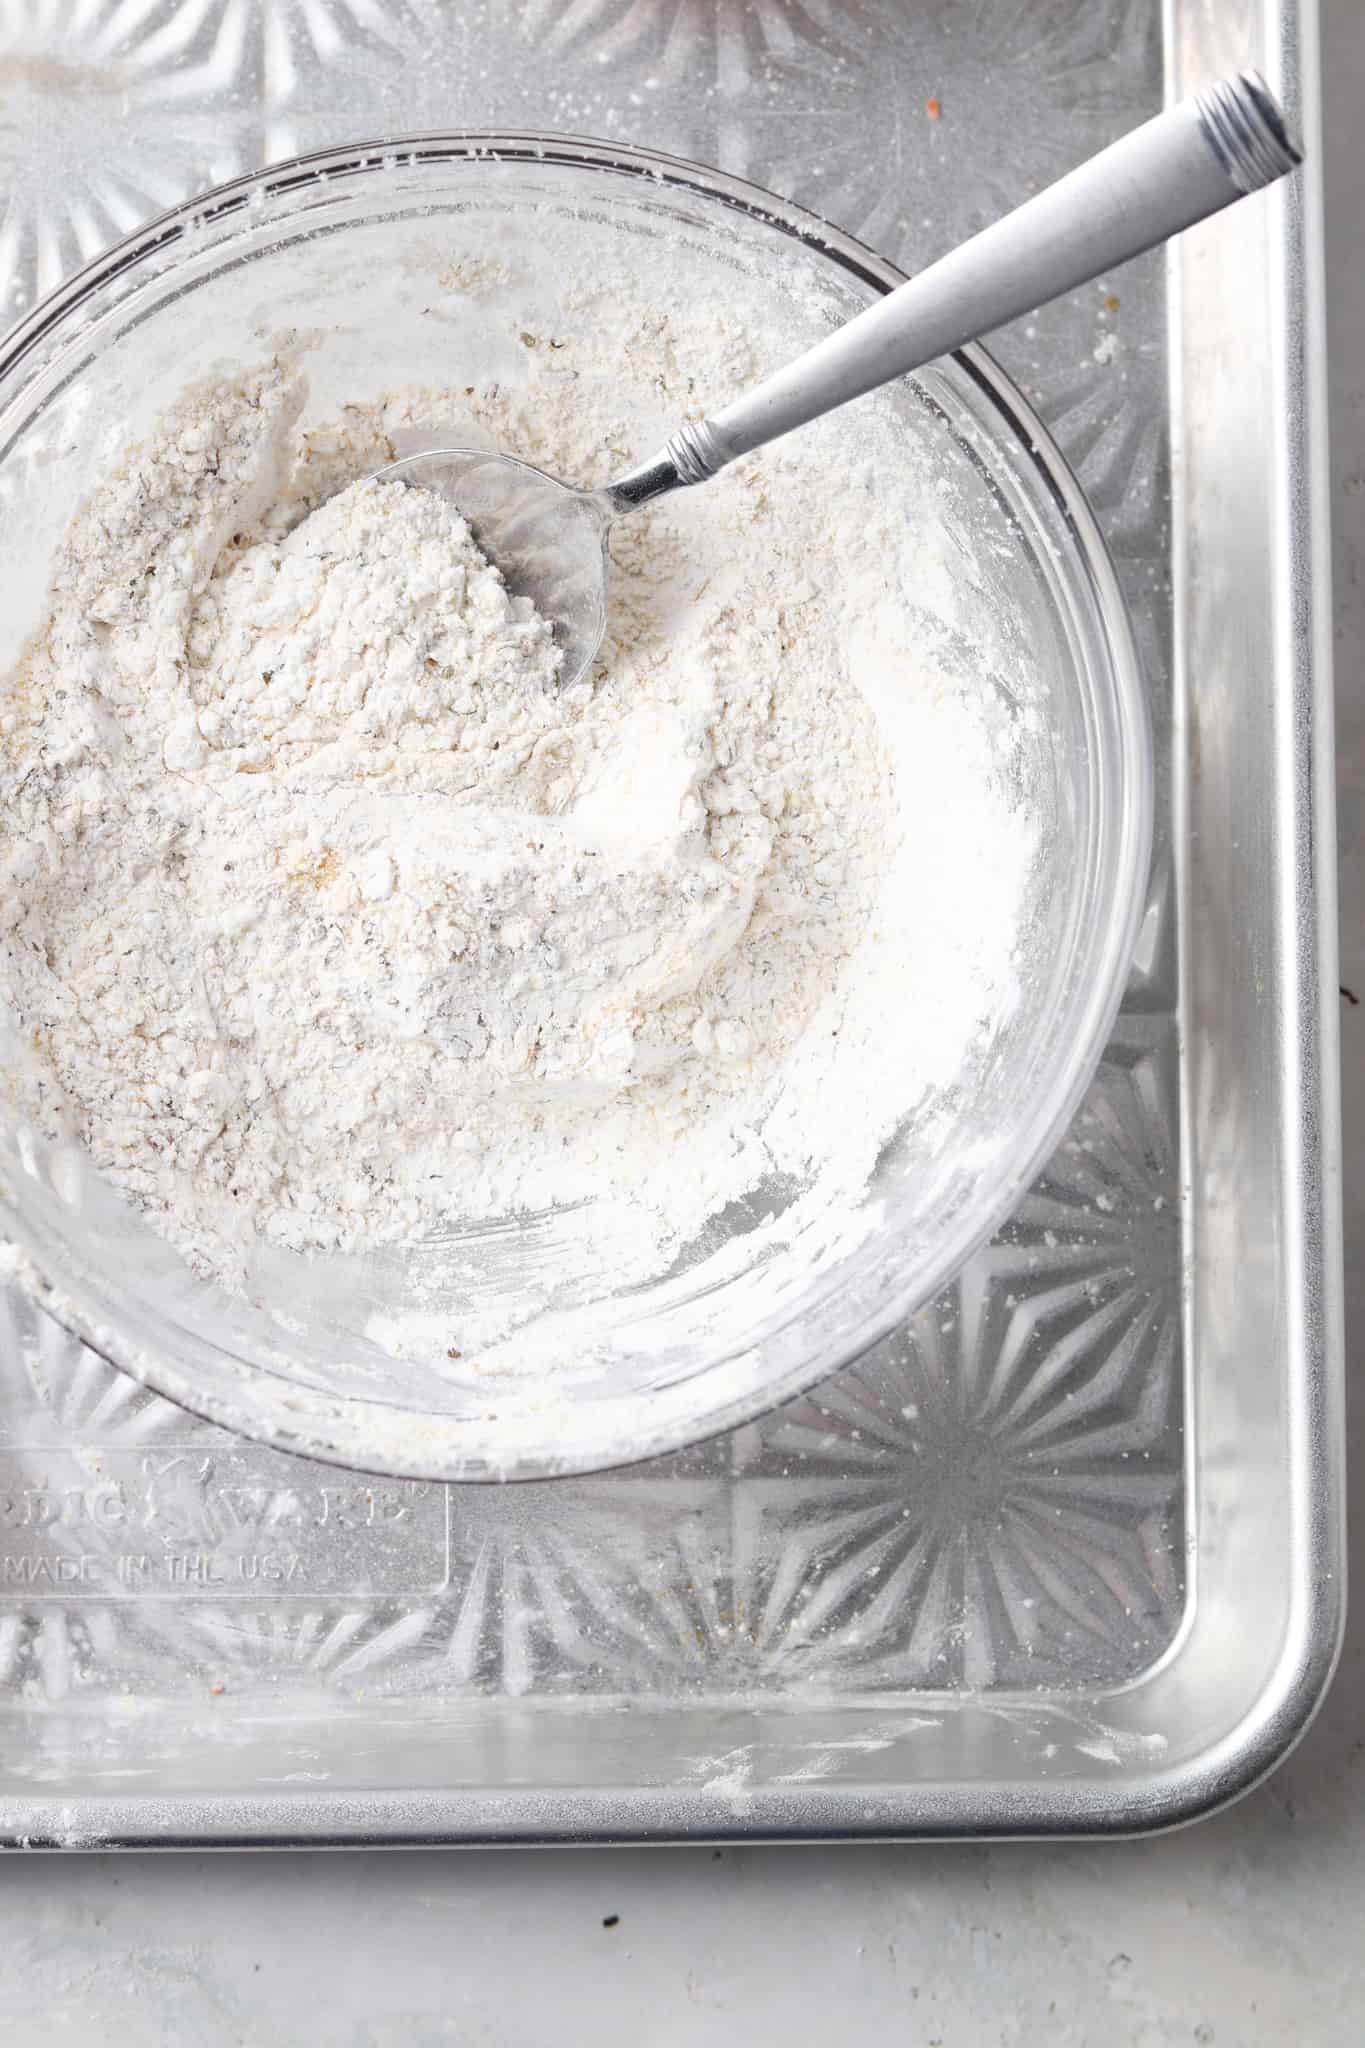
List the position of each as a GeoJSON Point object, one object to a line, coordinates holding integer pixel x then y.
{"type": "Point", "coordinates": [1189, 162]}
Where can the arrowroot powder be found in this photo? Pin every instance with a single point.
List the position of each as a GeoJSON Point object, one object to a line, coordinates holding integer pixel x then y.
{"type": "Point", "coordinates": [335, 918]}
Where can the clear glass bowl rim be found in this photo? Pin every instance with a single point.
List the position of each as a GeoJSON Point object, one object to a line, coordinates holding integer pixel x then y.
{"type": "Point", "coordinates": [357, 1434]}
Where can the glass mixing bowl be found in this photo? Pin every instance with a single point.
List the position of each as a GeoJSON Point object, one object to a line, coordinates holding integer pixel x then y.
{"type": "Point", "coordinates": [348, 246]}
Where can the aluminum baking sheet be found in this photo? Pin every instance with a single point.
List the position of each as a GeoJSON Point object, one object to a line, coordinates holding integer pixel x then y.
{"type": "Point", "coordinates": [1064, 1553]}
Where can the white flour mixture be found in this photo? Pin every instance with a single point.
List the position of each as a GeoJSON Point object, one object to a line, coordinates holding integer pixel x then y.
{"type": "Point", "coordinates": [331, 917]}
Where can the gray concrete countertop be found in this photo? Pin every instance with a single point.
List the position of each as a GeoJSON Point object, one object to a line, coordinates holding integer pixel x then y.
{"type": "Point", "coordinates": [1242, 1931]}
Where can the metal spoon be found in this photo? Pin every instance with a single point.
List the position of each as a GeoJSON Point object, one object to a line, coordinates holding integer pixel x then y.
{"type": "Point", "coordinates": [550, 539]}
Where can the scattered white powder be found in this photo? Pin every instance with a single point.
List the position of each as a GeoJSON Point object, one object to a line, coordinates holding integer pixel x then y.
{"type": "Point", "coordinates": [332, 918]}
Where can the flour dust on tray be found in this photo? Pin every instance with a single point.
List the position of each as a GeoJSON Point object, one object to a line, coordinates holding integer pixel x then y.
{"type": "Point", "coordinates": [332, 919]}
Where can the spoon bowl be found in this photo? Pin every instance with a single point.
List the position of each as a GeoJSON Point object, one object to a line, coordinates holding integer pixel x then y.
{"type": "Point", "coordinates": [548, 539]}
